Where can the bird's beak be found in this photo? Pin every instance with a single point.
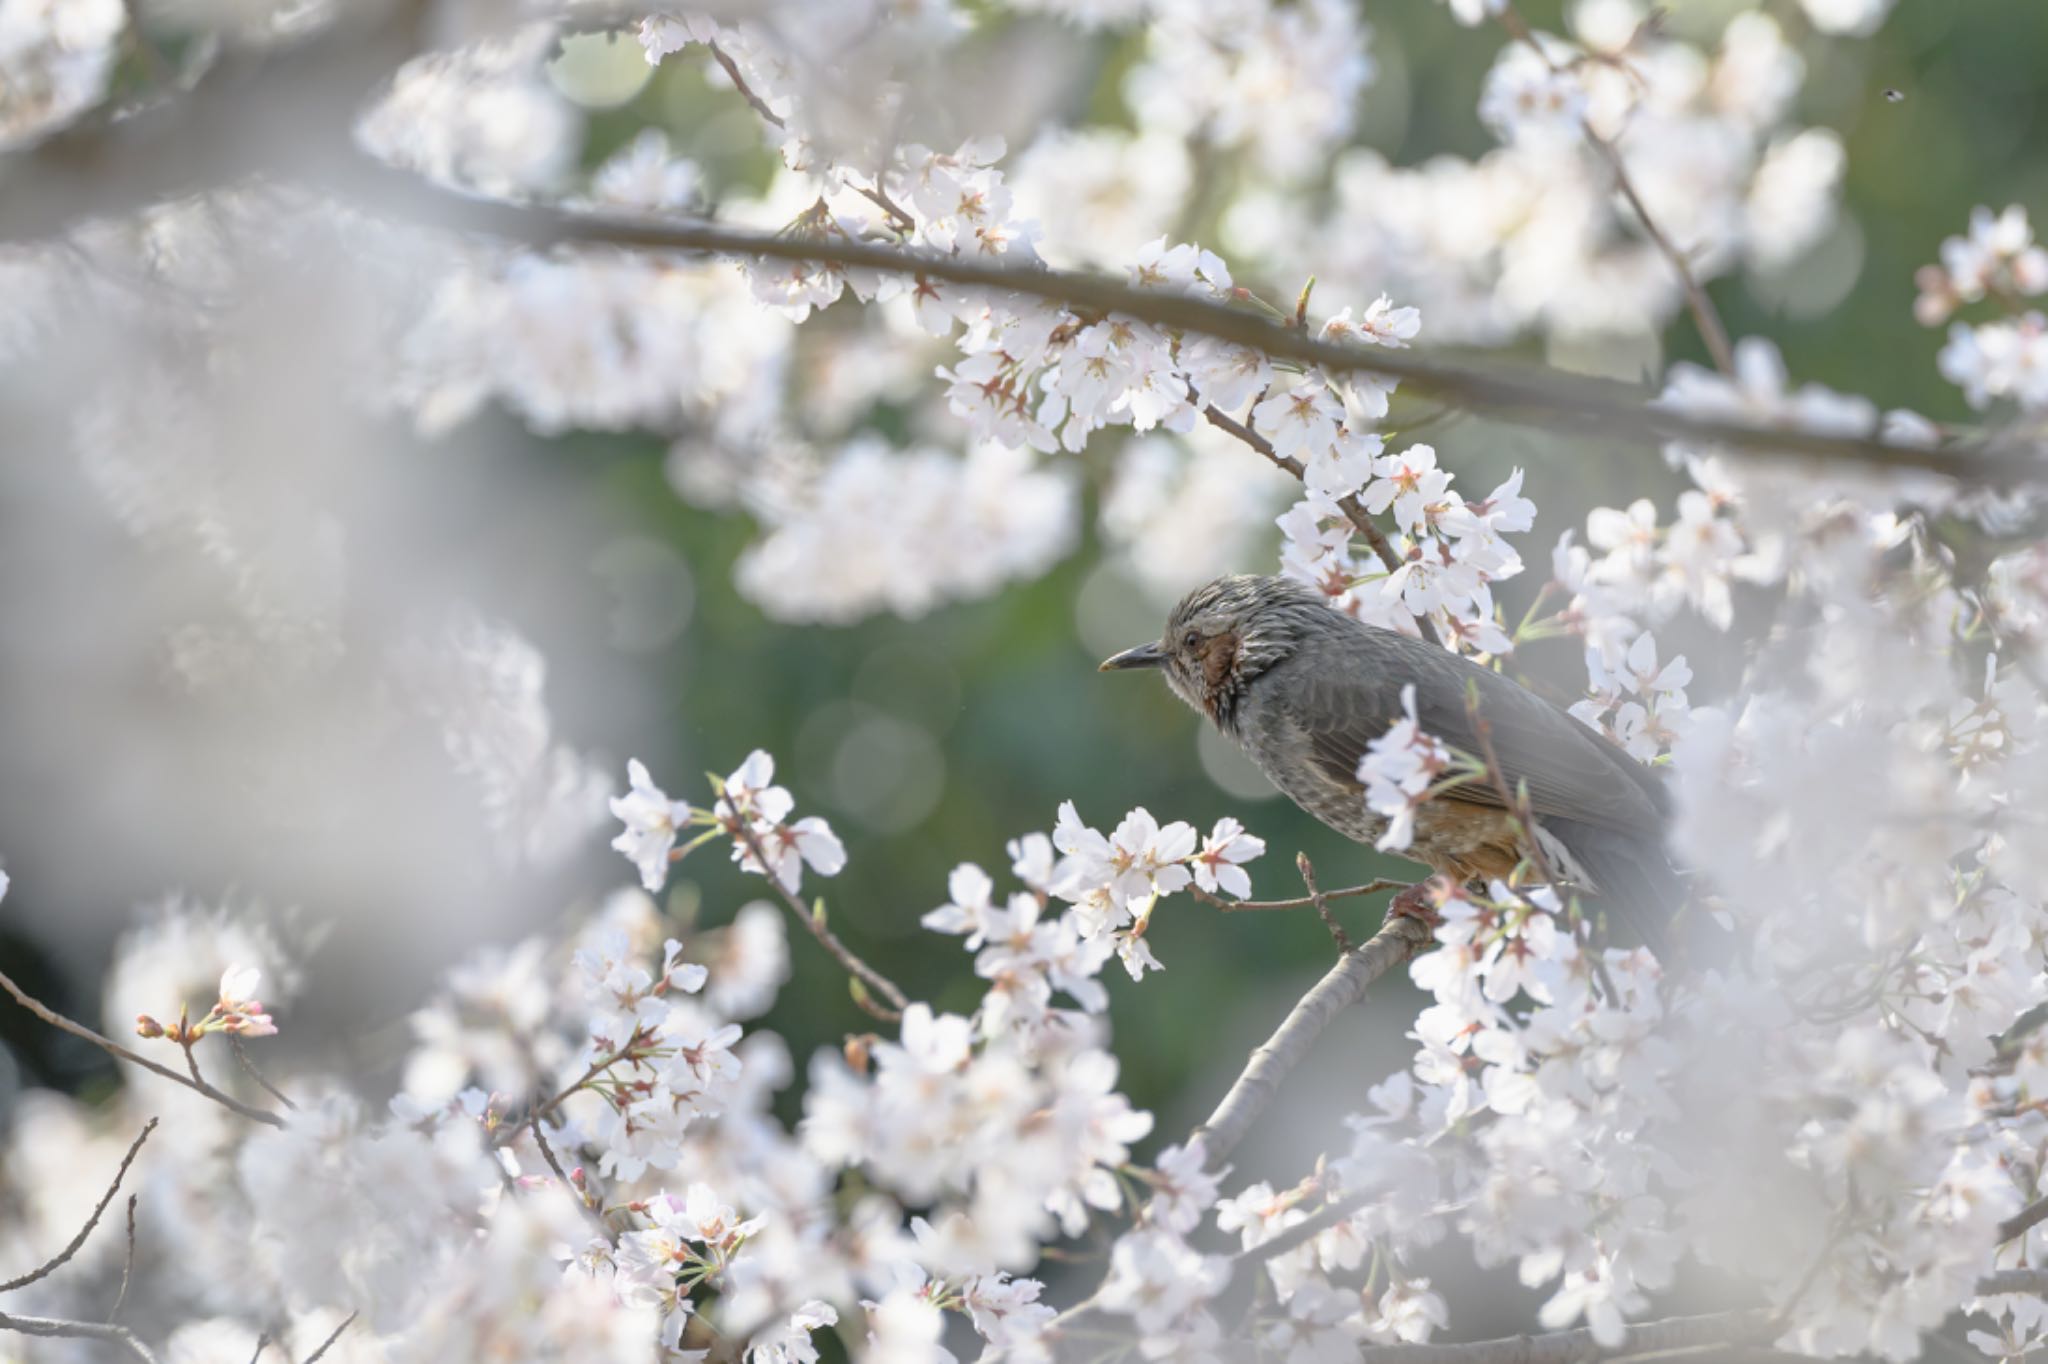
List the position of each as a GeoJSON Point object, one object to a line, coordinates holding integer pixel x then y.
{"type": "Point", "coordinates": [1144, 656]}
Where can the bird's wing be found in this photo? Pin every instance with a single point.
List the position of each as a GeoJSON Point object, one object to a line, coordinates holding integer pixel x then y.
{"type": "Point", "coordinates": [1349, 693]}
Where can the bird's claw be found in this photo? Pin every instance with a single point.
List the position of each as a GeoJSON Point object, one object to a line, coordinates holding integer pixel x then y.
{"type": "Point", "coordinates": [1418, 902]}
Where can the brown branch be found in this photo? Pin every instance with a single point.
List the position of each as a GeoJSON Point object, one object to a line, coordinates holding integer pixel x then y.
{"type": "Point", "coordinates": [598, 1067]}
{"type": "Point", "coordinates": [1398, 939]}
{"type": "Point", "coordinates": [841, 953]}
{"type": "Point", "coordinates": [139, 160]}
{"type": "Point", "coordinates": [262, 1344]}
{"type": "Point", "coordinates": [79, 1240]}
{"type": "Point", "coordinates": [127, 1264]}
{"type": "Point", "coordinates": [1704, 315]}
{"type": "Point", "coordinates": [1321, 902]}
{"type": "Point", "coordinates": [1229, 906]}
{"type": "Point", "coordinates": [2023, 1221]}
{"type": "Point", "coordinates": [328, 1343]}
{"type": "Point", "coordinates": [235, 1045]}
{"type": "Point", "coordinates": [2033, 1281]}
{"type": "Point", "coordinates": [112, 1048]}
{"type": "Point", "coordinates": [1354, 510]}
{"type": "Point", "coordinates": [80, 1330]}
{"type": "Point", "coordinates": [1579, 1347]}
{"type": "Point", "coordinates": [739, 83]}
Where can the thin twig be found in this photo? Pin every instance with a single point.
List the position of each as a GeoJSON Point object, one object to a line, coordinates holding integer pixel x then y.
{"type": "Point", "coordinates": [1704, 315]}
{"type": "Point", "coordinates": [127, 1263]}
{"type": "Point", "coordinates": [328, 1343]}
{"type": "Point", "coordinates": [80, 1330]}
{"type": "Point", "coordinates": [1354, 510]}
{"type": "Point", "coordinates": [112, 1048]}
{"type": "Point", "coordinates": [262, 1344]}
{"type": "Point", "coordinates": [1321, 902]}
{"type": "Point", "coordinates": [1580, 1346]}
{"type": "Point", "coordinates": [507, 1136]}
{"type": "Point", "coordinates": [739, 83]}
{"type": "Point", "coordinates": [1398, 939]}
{"type": "Point", "coordinates": [90, 1222]}
{"type": "Point", "coordinates": [235, 1045]}
{"type": "Point", "coordinates": [1229, 906]}
{"type": "Point", "coordinates": [843, 954]}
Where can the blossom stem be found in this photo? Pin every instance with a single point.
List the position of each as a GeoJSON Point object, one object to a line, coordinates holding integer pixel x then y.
{"type": "Point", "coordinates": [1349, 892]}
{"type": "Point", "coordinates": [1704, 315]}
{"type": "Point", "coordinates": [113, 1048]}
{"type": "Point", "coordinates": [1354, 510]}
{"type": "Point", "coordinates": [841, 953]}
{"type": "Point", "coordinates": [79, 1240]}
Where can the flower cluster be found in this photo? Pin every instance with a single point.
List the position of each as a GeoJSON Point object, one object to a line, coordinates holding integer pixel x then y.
{"type": "Point", "coordinates": [1998, 261]}
{"type": "Point", "coordinates": [1446, 557]}
{"type": "Point", "coordinates": [750, 810]}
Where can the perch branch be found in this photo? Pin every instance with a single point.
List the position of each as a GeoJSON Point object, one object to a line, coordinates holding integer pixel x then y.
{"type": "Point", "coordinates": [1398, 939]}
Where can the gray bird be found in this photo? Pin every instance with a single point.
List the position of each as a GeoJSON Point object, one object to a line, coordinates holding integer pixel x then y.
{"type": "Point", "coordinates": [1303, 689]}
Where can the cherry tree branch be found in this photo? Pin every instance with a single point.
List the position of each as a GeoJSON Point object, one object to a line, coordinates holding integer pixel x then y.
{"type": "Point", "coordinates": [815, 923]}
{"type": "Point", "coordinates": [80, 1330]}
{"type": "Point", "coordinates": [196, 142]}
{"type": "Point", "coordinates": [1398, 939]}
{"type": "Point", "coordinates": [2023, 1221]}
{"type": "Point", "coordinates": [1579, 1346]}
{"type": "Point", "coordinates": [83, 1232]}
{"type": "Point", "coordinates": [112, 1048]}
{"type": "Point", "coordinates": [1704, 315]}
{"type": "Point", "coordinates": [1229, 906]}
{"type": "Point", "coordinates": [1354, 510]}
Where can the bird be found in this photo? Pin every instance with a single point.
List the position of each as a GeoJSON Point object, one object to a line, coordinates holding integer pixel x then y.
{"type": "Point", "coordinates": [1304, 688]}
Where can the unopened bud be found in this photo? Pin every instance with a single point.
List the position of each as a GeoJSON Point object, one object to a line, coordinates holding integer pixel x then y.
{"type": "Point", "coordinates": [857, 1052]}
{"type": "Point", "coordinates": [145, 1026]}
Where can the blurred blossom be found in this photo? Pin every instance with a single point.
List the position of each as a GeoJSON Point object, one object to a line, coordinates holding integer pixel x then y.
{"type": "Point", "coordinates": [483, 118]}
{"type": "Point", "coordinates": [1097, 194]}
{"type": "Point", "coordinates": [55, 58]}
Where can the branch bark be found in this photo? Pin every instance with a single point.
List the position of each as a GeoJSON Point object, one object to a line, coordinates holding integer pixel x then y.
{"type": "Point", "coordinates": [1398, 939]}
{"type": "Point", "coordinates": [79, 1240]}
{"type": "Point", "coordinates": [841, 953]}
{"type": "Point", "coordinates": [80, 1330]}
{"type": "Point", "coordinates": [1579, 1347]}
{"type": "Point", "coordinates": [200, 141]}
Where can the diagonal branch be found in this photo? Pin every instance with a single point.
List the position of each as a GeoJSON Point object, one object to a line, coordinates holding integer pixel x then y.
{"type": "Point", "coordinates": [862, 973]}
{"type": "Point", "coordinates": [79, 1240]}
{"type": "Point", "coordinates": [112, 1048]}
{"type": "Point", "coordinates": [1354, 510]}
{"type": "Point", "coordinates": [80, 1330]}
{"type": "Point", "coordinates": [1398, 939]}
{"type": "Point", "coordinates": [1704, 315]}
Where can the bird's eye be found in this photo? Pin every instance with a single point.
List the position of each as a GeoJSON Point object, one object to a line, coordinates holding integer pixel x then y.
{"type": "Point", "coordinates": [1191, 639]}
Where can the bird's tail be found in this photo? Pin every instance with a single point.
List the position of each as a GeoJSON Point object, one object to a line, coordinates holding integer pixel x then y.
{"type": "Point", "coordinates": [1634, 883]}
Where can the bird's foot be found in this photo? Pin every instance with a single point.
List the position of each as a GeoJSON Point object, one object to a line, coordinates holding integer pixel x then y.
{"type": "Point", "coordinates": [1419, 902]}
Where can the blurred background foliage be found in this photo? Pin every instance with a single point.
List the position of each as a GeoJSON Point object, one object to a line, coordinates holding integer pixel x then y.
{"type": "Point", "coordinates": [931, 741]}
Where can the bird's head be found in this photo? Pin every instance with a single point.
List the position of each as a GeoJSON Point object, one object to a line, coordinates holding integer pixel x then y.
{"type": "Point", "coordinates": [1224, 634]}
